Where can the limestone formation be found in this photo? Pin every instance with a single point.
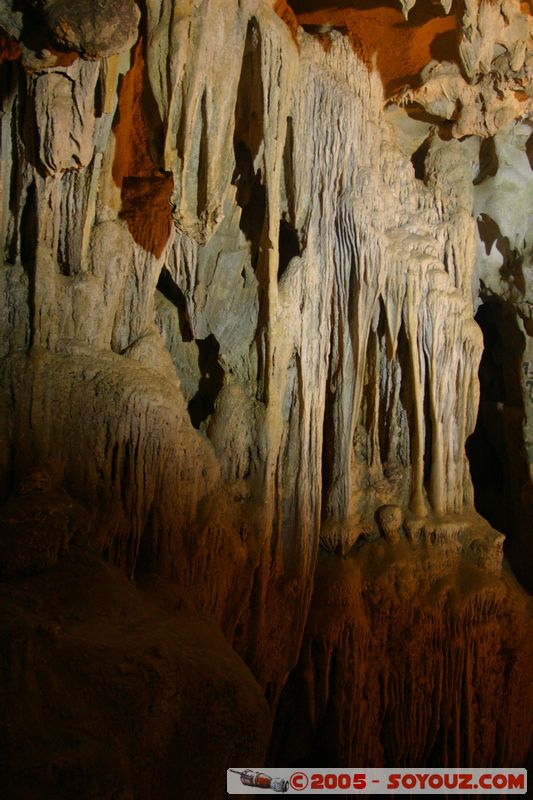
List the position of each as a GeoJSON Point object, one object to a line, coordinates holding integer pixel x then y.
{"type": "Point", "coordinates": [93, 30]}
{"type": "Point", "coordinates": [350, 688]}
{"type": "Point", "coordinates": [265, 304]}
{"type": "Point", "coordinates": [492, 83]}
{"type": "Point", "coordinates": [390, 522]}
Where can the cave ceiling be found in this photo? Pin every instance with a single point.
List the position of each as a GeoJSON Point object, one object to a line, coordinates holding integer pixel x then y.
{"type": "Point", "coordinates": [465, 66]}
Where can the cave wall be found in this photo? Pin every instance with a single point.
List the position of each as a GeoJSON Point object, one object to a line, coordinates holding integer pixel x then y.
{"type": "Point", "coordinates": [241, 262]}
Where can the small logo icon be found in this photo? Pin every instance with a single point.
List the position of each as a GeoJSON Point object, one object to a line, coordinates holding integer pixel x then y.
{"type": "Point", "coordinates": [299, 781]}
{"type": "Point", "coordinates": [251, 777]}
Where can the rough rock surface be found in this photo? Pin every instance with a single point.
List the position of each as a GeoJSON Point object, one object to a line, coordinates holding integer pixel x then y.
{"type": "Point", "coordinates": [240, 265]}
{"type": "Point", "coordinates": [349, 703]}
{"type": "Point", "coordinates": [113, 685]}
{"type": "Point", "coordinates": [95, 30]}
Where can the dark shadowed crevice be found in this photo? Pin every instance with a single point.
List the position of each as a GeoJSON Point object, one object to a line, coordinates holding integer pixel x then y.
{"type": "Point", "coordinates": [169, 289]}
{"type": "Point", "coordinates": [328, 438]}
{"type": "Point", "coordinates": [251, 197]}
{"type": "Point", "coordinates": [485, 447]}
{"type": "Point", "coordinates": [202, 404]}
{"type": "Point", "coordinates": [28, 229]}
{"type": "Point", "coordinates": [496, 450]}
{"type": "Point", "coordinates": [289, 246]}
{"type": "Point", "coordinates": [382, 416]}
{"type": "Point", "coordinates": [529, 150]}
{"type": "Point", "coordinates": [203, 162]}
{"type": "Point", "coordinates": [248, 136]}
{"type": "Point", "coordinates": [406, 394]}
{"type": "Point", "coordinates": [418, 159]}
{"type": "Point", "coordinates": [293, 728]}
{"type": "Point", "coordinates": [289, 178]}
{"type": "Point", "coordinates": [99, 98]}
{"type": "Point", "coordinates": [488, 161]}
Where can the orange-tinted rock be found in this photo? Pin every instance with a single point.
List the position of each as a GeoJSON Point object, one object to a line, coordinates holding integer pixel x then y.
{"type": "Point", "coordinates": [109, 691]}
{"type": "Point", "coordinates": [283, 9]}
{"type": "Point", "coordinates": [394, 655]}
{"type": "Point", "coordinates": [9, 48]}
{"type": "Point", "coordinates": [145, 189]}
{"type": "Point", "coordinates": [146, 209]}
{"type": "Point", "coordinates": [380, 33]}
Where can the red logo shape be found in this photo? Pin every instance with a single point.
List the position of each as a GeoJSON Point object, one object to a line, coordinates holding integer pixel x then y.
{"type": "Point", "coordinates": [299, 781]}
